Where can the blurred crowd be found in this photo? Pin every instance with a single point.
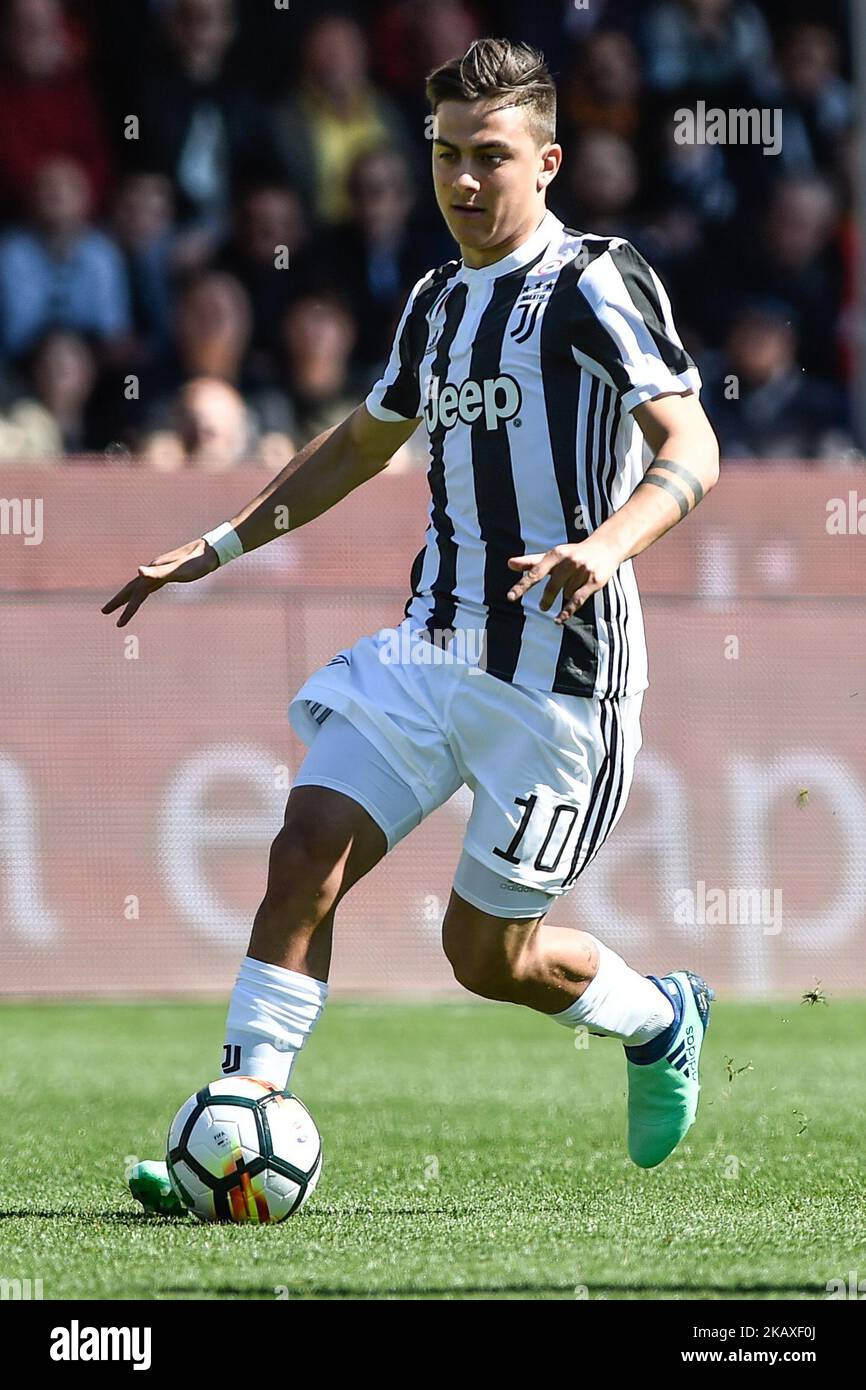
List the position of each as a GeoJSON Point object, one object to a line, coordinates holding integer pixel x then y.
{"type": "Point", "coordinates": [211, 211]}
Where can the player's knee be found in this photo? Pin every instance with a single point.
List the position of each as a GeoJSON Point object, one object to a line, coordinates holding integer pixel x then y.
{"type": "Point", "coordinates": [488, 965]}
{"type": "Point", "coordinates": [304, 865]}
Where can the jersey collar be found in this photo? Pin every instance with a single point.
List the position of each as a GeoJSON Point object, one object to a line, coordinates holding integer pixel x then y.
{"type": "Point", "coordinates": [541, 238]}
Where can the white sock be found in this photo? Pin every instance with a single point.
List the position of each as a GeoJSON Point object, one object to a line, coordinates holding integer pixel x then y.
{"type": "Point", "coordinates": [271, 1014]}
{"type": "Point", "coordinates": [619, 1003]}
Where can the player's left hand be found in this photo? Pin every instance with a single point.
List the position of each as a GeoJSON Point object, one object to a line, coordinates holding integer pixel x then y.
{"type": "Point", "coordinates": [577, 571]}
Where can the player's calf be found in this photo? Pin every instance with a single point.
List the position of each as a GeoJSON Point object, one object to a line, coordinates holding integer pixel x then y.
{"type": "Point", "coordinates": [567, 974]}
{"type": "Point", "coordinates": [328, 841]}
{"type": "Point", "coordinates": [492, 959]}
{"type": "Point", "coordinates": [580, 982]}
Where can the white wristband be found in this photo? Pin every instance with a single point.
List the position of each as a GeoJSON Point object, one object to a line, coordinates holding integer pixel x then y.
{"type": "Point", "coordinates": [225, 541]}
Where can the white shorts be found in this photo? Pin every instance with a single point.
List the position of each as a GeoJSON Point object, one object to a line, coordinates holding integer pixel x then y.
{"type": "Point", "coordinates": [550, 773]}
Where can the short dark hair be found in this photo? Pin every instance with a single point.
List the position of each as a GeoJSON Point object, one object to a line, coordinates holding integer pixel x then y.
{"type": "Point", "coordinates": [506, 73]}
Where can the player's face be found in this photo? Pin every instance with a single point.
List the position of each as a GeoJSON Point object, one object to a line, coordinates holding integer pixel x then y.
{"type": "Point", "coordinates": [490, 176]}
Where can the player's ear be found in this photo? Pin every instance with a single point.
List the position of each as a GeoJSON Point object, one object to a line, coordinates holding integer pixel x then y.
{"type": "Point", "coordinates": [550, 159]}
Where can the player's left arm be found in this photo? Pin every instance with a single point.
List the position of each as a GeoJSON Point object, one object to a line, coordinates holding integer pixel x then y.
{"type": "Point", "coordinates": [685, 468]}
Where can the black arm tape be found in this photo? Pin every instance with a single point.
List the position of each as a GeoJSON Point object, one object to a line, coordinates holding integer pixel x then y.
{"type": "Point", "coordinates": [681, 472]}
{"type": "Point", "coordinates": [668, 485]}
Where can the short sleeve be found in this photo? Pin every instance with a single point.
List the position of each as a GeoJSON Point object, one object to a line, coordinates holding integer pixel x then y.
{"type": "Point", "coordinates": [625, 329]}
{"type": "Point", "coordinates": [397, 394]}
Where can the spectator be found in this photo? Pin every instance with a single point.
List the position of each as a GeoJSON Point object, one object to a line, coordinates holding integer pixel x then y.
{"type": "Point", "coordinates": [693, 202]}
{"type": "Point", "coordinates": [180, 284]}
{"type": "Point", "coordinates": [376, 257]}
{"type": "Point", "coordinates": [265, 255]}
{"type": "Point", "coordinates": [436, 33]}
{"type": "Point", "coordinates": [604, 184]}
{"type": "Point", "coordinates": [693, 175]}
{"type": "Point", "coordinates": [604, 92]}
{"type": "Point", "coordinates": [761, 403]}
{"type": "Point", "coordinates": [213, 327]}
{"type": "Point", "coordinates": [710, 44]}
{"type": "Point", "coordinates": [817, 104]}
{"type": "Point", "coordinates": [336, 115]}
{"type": "Point", "coordinates": [28, 434]}
{"type": "Point", "coordinates": [319, 336]}
{"type": "Point", "coordinates": [318, 339]}
{"type": "Point", "coordinates": [411, 37]}
{"type": "Point", "coordinates": [63, 372]}
{"type": "Point", "coordinates": [213, 432]}
{"type": "Point", "coordinates": [547, 26]}
{"type": "Point", "coordinates": [47, 107]}
{"type": "Point", "coordinates": [409, 41]}
{"type": "Point", "coordinates": [849, 162]}
{"type": "Point", "coordinates": [198, 125]}
{"type": "Point", "coordinates": [212, 331]}
{"type": "Point", "coordinates": [142, 222]}
{"type": "Point", "coordinates": [59, 271]}
{"type": "Point", "coordinates": [795, 258]}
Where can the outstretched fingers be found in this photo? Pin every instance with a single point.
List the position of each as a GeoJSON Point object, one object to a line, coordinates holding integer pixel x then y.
{"type": "Point", "coordinates": [535, 567]}
{"type": "Point", "coordinates": [565, 574]}
{"type": "Point", "coordinates": [132, 595]}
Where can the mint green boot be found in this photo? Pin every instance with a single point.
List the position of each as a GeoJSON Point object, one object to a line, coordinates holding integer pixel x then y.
{"type": "Point", "coordinates": [663, 1085]}
{"type": "Point", "coordinates": [149, 1184]}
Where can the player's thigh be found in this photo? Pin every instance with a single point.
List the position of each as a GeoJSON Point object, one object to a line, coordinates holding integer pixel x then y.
{"type": "Point", "coordinates": [385, 687]}
{"type": "Point", "coordinates": [348, 801]}
{"type": "Point", "coordinates": [550, 777]}
{"type": "Point", "coordinates": [327, 842]}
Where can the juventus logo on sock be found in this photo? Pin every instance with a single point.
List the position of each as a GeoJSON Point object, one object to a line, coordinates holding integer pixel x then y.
{"type": "Point", "coordinates": [231, 1058]}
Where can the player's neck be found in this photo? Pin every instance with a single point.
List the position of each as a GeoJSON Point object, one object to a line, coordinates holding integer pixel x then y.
{"type": "Point", "coordinates": [476, 258]}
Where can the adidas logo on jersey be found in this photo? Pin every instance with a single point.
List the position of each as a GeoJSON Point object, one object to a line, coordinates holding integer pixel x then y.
{"type": "Point", "coordinates": [494, 400]}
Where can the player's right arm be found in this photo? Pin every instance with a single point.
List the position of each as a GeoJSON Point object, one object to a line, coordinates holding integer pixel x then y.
{"type": "Point", "coordinates": [326, 470]}
{"type": "Point", "coordinates": [321, 475]}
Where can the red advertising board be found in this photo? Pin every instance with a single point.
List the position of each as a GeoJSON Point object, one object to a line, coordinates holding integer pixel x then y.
{"type": "Point", "coordinates": [144, 771]}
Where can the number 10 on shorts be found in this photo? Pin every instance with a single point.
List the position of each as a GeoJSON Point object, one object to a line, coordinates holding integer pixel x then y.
{"type": "Point", "coordinates": [562, 822]}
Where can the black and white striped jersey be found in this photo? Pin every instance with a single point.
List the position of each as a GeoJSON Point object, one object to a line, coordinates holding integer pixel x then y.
{"type": "Point", "coordinates": [525, 372]}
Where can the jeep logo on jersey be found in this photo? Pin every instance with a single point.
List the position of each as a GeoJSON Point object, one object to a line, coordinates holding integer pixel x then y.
{"type": "Point", "coordinates": [496, 399]}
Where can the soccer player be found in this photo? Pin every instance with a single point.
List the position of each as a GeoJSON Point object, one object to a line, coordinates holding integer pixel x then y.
{"type": "Point", "coordinates": [540, 363]}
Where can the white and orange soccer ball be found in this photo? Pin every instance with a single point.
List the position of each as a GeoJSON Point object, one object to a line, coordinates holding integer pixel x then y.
{"type": "Point", "coordinates": [241, 1150]}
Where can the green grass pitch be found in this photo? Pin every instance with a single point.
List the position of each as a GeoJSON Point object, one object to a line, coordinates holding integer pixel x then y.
{"type": "Point", "coordinates": [471, 1151]}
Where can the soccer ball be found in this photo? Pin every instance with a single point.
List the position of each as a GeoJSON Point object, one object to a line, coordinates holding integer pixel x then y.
{"type": "Point", "coordinates": [241, 1150]}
